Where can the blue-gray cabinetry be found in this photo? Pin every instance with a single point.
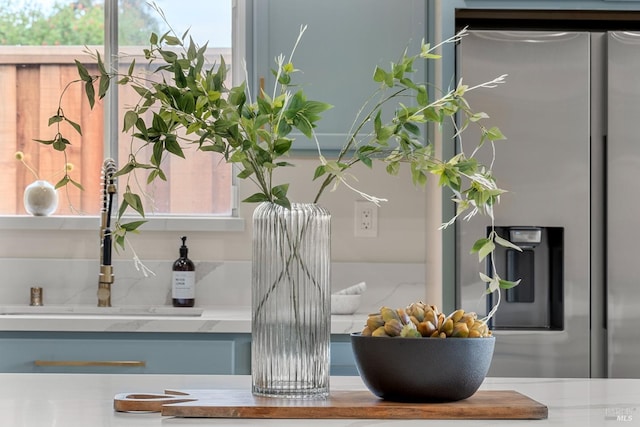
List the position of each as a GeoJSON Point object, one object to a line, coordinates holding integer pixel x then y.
{"type": "Point", "coordinates": [148, 353]}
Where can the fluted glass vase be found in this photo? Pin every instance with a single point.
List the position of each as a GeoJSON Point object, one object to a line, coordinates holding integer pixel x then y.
{"type": "Point", "coordinates": [291, 320]}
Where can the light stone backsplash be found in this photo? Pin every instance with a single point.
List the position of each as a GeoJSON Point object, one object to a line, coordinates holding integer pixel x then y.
{"type": "Point", "coordinates": [225, 283]}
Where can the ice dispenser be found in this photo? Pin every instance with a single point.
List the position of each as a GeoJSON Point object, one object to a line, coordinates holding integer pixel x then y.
{"type": "Point", "coordinates": [536, 303]}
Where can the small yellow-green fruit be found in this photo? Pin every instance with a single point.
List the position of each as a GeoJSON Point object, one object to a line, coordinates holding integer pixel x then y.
{"type": "Point", "coordinates": [430, 316]}
{"type": "Point", "coordinates": [469, 319]}
{"type": "Point", "coordinates": [374, 321]}
{"type": "Point", "coordinates": [457, 315]}
{"type": "Point", "coordinates": [388, 314]}
{"type": "Point", "coordinates": [379, 332]}
{"type": "Point", "coordinates": [447, 327]}
{"type": "Point", "coordinates": [426, 328]}
{"type": "Point", "coordinates": [393, 327]}
{"type": "Point", "coordinates": [460, 330]}
{"type": "Point", "coordinates": [409, 331]}
{"type": "Point", "coordinates": [414, 320]}
{"type": "Point", "coordinates": [403, 316]}
{"type": "Point", "coordinates": [474, 333]}
{"type": "Point", "coordinates": [416, 310]}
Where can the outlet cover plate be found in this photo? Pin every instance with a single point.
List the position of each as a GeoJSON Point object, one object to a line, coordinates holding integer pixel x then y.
{"type": "Point", "coordinates": [365, 219]}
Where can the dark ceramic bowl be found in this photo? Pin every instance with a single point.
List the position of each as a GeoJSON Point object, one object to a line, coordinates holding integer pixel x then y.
{"type": "Point", "coordinates": [422, 369]}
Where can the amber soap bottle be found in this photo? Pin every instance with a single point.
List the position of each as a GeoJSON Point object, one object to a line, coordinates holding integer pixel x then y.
{"type": "Point", "coordinates": [183, 281]}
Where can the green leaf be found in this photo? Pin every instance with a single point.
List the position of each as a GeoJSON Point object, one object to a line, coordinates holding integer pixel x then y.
{"type": "Point", "coordinates": [158, 150]}
{"type": "Point", "coordinates": [133, 225]}
{"type": "Point", "coordinates": [75, 125]}
{"type": "Point", "coordinates": [45, 141]}
{"type": "Point", "coordinates": [178, 75]}
{"type": "Point", "coordinates": [364, 158]}
{"type": "Point", "coordinates": [60, 143]}
{"type": "Point", "coordinates": [285, 203]}
{"type": "Point", "coordinates": [82, 72]}
{"type": "Point", "coordinates": [159, 125]}
{"type": "Point", "coordinates": [485, 278]}
{"type": "Point", "coordinates": [63, 181]}
{"type": "Point", "coordinates": [412, 128]}
{"type": "Point", "coordinates": [422, 97]}
{"type": "Point", "coordinates": [256, 198]}
{"type": "Point", "coordinates": [103, 87]}
{"type": "Point", "coordinates": [91, 93]}
{"type": "Point", "coordinates": [76, 184]}
{"type": "Point", "coordinates": [305, 127]}
{"type": "Point", "coordinates": [55, 119]}
{"type": "Point", "coordinates": [320, 170]}
{"type": "Point", "coordinates": [507, 244]}
{"type": "Point", "coordinates": [507, 284]}
{"type": "Point", "coordinates": [393, 168]}
{"type": "Point", "coordinates": [246, 173]}
{"type": "Point", "coordinates": [169, 56]}
{"type": "Point", "coordinates": [479, 244]}
{"type": "Point", "coordinates": [132, 66]}
{"type": "Point", "coordinates": [379, 75]}
{"type": "Point", "coordinates": [130, 118]}
{"type": "Point", "coordinates": [315, 107]}
{"type": "Point", "coordinates": [101, 67]}
{"type": "Point", "coordinates": [282, 145]}
{"type": "Point", "coordinates": [123, 207]}
{"type": "Point", "coordinates": [126, 169]}
{"type": "Point", "coordinates": [494, 284]}
{"type": "Point", "coordinates": [486, 250]}
{"type": "Point", "coordinates": [483, 247]}
{"type": "Point", "coordinates": [171, 145]}
{"type": "Point", "coordinates": [172, 41]}
{"type": "Point", "coordinates": [280, 191]}
{"type": "Point", "coordinates": [134, 201]}
{"type": "Point", "coordinates": [494, 134]}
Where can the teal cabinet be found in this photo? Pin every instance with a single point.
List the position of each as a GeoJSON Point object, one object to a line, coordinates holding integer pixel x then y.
{"type": "Point", "coordinates": [141, 353]}
{"type": "Point", "coordinates": [124, 353]}
{"type": "Point", "coordinates": [343, 43]}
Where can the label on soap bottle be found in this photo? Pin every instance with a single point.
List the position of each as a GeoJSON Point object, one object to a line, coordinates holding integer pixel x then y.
{"type": "Point", "coordinates": [183, 285]}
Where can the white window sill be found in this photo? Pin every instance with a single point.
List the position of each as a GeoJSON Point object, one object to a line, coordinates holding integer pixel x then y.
{"type": "Point", "coordinates": [165, 223]}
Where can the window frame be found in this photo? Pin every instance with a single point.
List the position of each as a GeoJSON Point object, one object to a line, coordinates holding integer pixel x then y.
{"type": "Point", "coordinates": [241, 13]}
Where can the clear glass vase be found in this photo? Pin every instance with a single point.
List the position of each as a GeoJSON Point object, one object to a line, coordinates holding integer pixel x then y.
{"type": "Point", "coordinates": [291, 319]}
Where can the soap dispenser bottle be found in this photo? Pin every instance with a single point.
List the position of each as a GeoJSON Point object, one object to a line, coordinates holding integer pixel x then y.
{"type": "Point", "coordinates": [183, 281]}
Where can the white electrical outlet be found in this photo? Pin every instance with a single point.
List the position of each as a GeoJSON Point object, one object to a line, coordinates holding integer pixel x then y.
{"type": "Point", "coordinates": [365, 219]}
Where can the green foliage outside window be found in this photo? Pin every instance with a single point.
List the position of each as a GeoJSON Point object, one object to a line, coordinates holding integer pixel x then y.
{"type": "Point", "coordinates": [68, 22]}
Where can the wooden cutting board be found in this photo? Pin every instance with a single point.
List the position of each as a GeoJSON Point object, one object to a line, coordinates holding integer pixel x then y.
{"type": "Point", "coordinates": [485, 404]}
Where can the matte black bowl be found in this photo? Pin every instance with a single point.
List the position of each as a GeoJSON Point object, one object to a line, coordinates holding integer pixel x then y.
{"type": "Point", "coordinates": [422, 369]}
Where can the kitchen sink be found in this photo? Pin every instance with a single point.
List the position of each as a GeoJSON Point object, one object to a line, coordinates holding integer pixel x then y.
{"type": "Point", "coordinates": [87, 310]}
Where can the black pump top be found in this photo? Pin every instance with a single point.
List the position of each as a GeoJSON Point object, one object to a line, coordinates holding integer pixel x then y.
{"type": "Point", "coordinates": [184, 250]}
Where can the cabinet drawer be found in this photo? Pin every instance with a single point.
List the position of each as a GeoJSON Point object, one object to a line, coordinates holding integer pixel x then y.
{"type": "Point", "coordinates": [118, 353]}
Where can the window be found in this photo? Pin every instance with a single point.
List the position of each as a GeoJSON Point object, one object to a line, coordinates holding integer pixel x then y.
{"type": "Point", "coordinates": [39, 40]}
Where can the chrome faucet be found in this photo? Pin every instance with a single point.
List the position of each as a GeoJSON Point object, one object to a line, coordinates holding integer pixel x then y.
{"type": "Point", "coordinates": [105, 278]}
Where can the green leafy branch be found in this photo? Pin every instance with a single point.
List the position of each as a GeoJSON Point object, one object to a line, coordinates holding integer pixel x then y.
{"type": "Point", "coordinates": [399, 139]}
{"type": "Point", "coordinates": [184, 101]}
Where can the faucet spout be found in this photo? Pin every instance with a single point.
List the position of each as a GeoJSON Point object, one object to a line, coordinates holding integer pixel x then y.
{"type": "Point", "coordinates": [105, 277]}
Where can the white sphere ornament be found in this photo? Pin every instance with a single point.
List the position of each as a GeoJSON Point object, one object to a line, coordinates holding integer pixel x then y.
{"type": "Point", "coordinates": [40, 198]}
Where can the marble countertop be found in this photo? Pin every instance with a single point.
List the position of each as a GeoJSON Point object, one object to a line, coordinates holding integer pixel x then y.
{"type": "Point", "coordinates": [38, 400]}
{"type": "Point", "coordinates": [212, 320]}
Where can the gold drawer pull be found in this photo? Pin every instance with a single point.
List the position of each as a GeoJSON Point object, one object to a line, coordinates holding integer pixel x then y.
{"type": "Point", "coordinates": [120, 363]}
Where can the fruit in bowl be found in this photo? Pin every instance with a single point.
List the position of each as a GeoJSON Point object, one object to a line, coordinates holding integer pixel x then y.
{"type": "Point", "coordinates": [404, 361]}
{"type": "Point", "coordinates": [422, 320]}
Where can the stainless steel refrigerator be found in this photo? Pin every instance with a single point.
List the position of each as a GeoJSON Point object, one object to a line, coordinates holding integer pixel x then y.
{"type": "Point", "coordinates": [571, 112]}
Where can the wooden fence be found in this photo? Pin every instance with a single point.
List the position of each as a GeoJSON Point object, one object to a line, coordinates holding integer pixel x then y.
{"type": "Point", "coordinates": [31, 81]}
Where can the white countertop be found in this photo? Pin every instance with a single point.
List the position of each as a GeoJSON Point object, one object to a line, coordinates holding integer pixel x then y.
{"type": "Point", "coordinates": [212, 320]}
{"type": "Point", "coordinates": [79, 400]}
